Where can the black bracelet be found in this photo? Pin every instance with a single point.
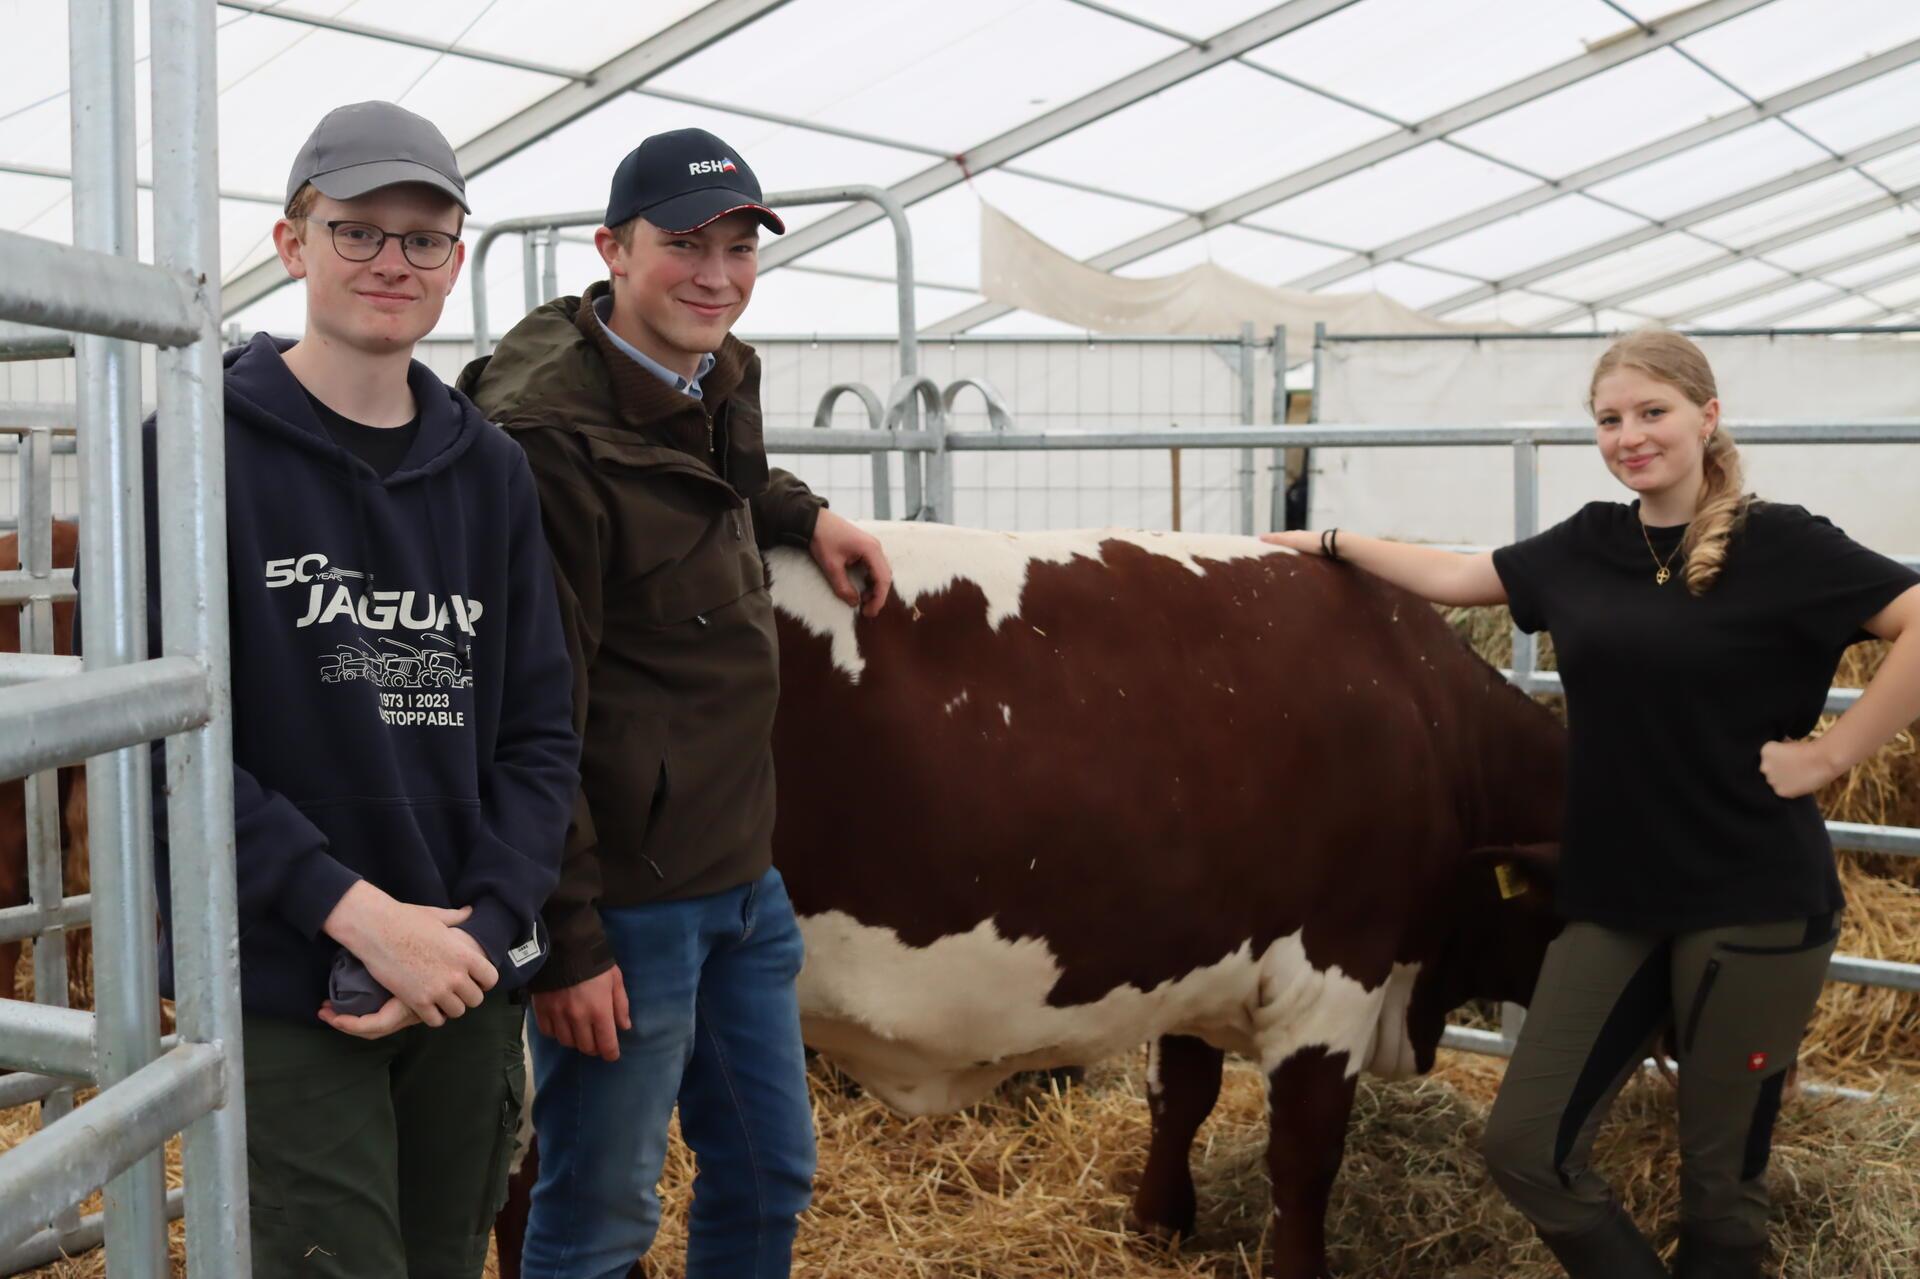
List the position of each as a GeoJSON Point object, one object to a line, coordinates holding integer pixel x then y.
{"type": "Point", "coordinates": [1330, 543]}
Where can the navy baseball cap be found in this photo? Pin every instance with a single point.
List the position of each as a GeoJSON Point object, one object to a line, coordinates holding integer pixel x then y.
{"type": "Point", "coordinates": [369, 145]}
{"type": "Point", "coordinates": [681, 181]}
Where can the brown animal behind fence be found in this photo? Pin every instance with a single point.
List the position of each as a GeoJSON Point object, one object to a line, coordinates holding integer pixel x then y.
{"type": "Point", "coordinates": [73, 786]}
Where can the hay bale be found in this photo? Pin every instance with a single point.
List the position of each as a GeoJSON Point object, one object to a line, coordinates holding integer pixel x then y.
{"type": "Point", "coordinates": [1863, 1035]}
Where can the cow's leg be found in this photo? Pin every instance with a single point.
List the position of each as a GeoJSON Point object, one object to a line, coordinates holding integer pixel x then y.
{"type": "Point", "coordinates": [13, 870]}
{"type": "Point", "coordinates": [510, 1223]}
{"type": "Point", "coordinates": [76, 877]}
{"type": "Point", "coordinates": [1309, 1097]}
{"type": "Point", "coordinates": [1183, 1082]}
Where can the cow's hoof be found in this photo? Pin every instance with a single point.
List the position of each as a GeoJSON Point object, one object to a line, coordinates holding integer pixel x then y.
{"type": "Point", "coordinates": [829, 1076]}
{"type": "Point", "coordinates": [1164, 1228]}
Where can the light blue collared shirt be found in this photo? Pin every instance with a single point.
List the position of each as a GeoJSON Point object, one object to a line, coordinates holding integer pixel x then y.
{"type": "Point", "coordinates": [603, 307]}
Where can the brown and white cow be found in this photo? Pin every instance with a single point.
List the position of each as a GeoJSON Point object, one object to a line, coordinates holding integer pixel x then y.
{"type": "Point", "coordinates": [1075, 792]}
{"type": "Point", "coordinates": [13, 795]}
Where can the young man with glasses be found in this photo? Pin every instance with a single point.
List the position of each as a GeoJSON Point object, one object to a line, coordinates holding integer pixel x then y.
{"type": "Point", "coordinates": [404, 757]}
{"type": "Point", "coordinates": [675, 947]}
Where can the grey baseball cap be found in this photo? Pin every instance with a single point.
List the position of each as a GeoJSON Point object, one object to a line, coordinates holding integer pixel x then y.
{"type": "Point", "coordinates": [369, 145]}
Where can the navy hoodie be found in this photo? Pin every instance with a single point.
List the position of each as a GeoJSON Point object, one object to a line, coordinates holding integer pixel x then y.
{"type": "Point", "coordinates": [402, 695]}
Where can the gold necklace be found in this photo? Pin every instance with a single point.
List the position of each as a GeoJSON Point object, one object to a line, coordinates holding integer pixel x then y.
{"type": "Point", "coordinates": [1661, 575]}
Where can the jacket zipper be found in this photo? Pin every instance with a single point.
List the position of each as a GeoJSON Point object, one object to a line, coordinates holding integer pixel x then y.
{"type": "Point", "coordinates": [720, 468]}
{"type": "Point", "coordinates": [662, 785]}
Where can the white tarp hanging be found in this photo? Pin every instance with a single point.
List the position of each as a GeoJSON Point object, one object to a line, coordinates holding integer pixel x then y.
{"type": "Point", "coordinates": [1019, 269]}
{"type": "Point", "coordinates": [1465, 495]}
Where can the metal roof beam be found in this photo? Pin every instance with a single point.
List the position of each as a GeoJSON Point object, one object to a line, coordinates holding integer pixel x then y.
{"type": "Point", "coordinates": [271, 9]}
{"type": "Point", "coordinates": [1681, 221]}
{"type": "Point", "coordinates": [1591, 176]}
{"type": "Point", "coordinates": [1602, 56]}
{"type": "Point", "coordinates": [1859, 290]}
{"type": "Point", "coordinates": [1104, 101]}
{"type": "Point", "coordinates": [699, 29]}
{"type": "Point", "coordinates": [1814, 275]}
{"type": "Point", "coordinates": [145, 184]}
{"type": "Point", "coordinates": [1761, 248]}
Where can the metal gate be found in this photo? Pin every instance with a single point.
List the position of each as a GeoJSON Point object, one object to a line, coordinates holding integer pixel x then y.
{"type": "Point", "coordinates": [99, 299]}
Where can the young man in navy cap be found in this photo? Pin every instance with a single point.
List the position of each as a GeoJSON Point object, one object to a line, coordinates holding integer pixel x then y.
{"type": "Point", "coordinates": [674, 944]}
{"type": "Point", "coordinates": [404, 757]}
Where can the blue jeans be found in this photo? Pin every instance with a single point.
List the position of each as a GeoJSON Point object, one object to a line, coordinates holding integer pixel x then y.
{"type": "Point", "coordinates": [716, 1027]}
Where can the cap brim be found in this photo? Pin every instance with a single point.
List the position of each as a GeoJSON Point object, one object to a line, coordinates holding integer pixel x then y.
{"type": "Point", "coordinates": [357, 180]}
{"type": "Point", "coordinates": [696, 209]}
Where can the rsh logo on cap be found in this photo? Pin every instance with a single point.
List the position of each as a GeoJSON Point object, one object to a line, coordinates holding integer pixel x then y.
{"type": "Point", "coordinates": [711, 166]}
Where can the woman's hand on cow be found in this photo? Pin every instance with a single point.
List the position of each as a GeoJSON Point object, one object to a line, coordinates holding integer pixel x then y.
{"type": "Point", "coordinates": [838, 545]}
{"type": "Point", "coordinates": [1294, 539]}
{"type": "Point", "coordinates": [416, 952]}
{"type": "Point", "coordinates": [586, 1017]}
{"type": "Point", "coordinates": [1798, 768]}
{"type": "Point", "coordinates": [392, 1016]}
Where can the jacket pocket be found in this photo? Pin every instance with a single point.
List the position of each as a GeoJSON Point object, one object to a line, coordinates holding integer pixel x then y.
{"type": "Point", "coordinates": [623, 772]}
{"type": "Point", "coordinates": [1752, 1007]}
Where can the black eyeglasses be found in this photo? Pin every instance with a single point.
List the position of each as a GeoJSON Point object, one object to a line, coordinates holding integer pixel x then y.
{"type": "Point", "coordinates": [362, 242]}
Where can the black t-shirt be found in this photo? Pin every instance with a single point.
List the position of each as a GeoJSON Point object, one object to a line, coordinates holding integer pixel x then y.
{"type": "Point", "coordinates": [381, 447]}
{"type": "Point", "coordinates": [1670, 825]}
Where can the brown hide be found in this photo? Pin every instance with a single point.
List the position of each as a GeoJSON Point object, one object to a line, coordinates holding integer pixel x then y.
{"type": "Point", "coordinates": [1185, 762]}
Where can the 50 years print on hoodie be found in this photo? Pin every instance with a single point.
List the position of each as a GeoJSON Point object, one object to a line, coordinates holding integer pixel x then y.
{"type": "Point", "coordinates": [427, 659]}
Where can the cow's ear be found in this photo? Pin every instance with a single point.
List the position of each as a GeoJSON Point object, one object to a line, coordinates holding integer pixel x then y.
{"type": "Point", "coordinates": [1517, 870]}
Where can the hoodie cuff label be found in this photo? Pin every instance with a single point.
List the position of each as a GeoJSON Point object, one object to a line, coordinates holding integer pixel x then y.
{"type": "Point", "coordinates": [526, 952]}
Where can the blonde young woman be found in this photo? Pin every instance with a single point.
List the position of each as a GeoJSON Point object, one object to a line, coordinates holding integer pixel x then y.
{"type": "Point", "coordinates": [1697, 630]}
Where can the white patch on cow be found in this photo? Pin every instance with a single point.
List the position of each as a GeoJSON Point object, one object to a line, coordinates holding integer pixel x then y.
{"type": "Point", "coordinates": [1154, 1086]}
{"type": "Point", "coordinates": [957, 702]}
{"type": "Point", "coordinates": [523, 1132]}
{"type": "Point", "coordinates": [929, 558]}
{"type": "Point", "coordinates": [1393, 1056]}
{"type": "Point", "coordinates": [932, 1029]}
{"type": "Point", "coordinates": [1006, 714]}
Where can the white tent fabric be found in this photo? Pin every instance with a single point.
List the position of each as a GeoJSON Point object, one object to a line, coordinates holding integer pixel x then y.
{"type": "Point", "coordinates": [1555, 163]}
{"type": "Point", "coordinates": [1020, 269]}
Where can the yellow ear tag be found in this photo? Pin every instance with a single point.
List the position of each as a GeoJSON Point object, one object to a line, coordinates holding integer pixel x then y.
{"type": "Point", "coordinates": [1511, 879]}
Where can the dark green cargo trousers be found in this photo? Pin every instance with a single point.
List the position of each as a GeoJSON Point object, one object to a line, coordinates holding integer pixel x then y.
{"type": "Point", "coordinates": [380, 1159]}
{"type": "Point", "coordinates": [1738, 999]}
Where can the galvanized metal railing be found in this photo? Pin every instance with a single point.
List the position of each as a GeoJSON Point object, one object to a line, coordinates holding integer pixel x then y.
{"type": "Point", "coordinates": [99, 300]}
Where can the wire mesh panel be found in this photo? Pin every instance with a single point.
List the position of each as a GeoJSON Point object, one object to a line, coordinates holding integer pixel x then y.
{"type": "Point", "coordinates": [1050, 385]}
{"type": "Point", "coordinates": [40, 393]}
{"type": "Point", "coordinates": [66, 483]}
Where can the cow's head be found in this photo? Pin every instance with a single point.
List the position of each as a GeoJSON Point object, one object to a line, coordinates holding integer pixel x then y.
{"type": "Point", "coordinates": [1494, 921]}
